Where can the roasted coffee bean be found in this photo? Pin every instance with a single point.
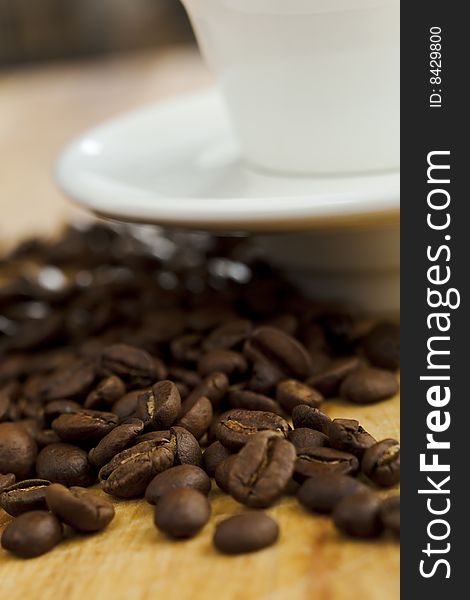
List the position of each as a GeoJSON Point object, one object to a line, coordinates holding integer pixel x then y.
{"type": "Point", "coordinates": [8, 394]}
{"type": "Point", "coordinates": [133, 365]}
{"type": "Point", "coordinates": [290, 393]}
{"type": "Point", "coordinates": [6, 480]}
{"type": "Point", "coordinates": [368, 385]}
{"type": "Point", "coordinates": [186, 348]}
{"type": "Point", "coordinates": [190, 378]}
{"type": "Point", "coordinates": [55, 408]}
{"type": "Point", "coordinates": [285, 322]}
{"type": "Point", "coordinates": [358, 515]}
{"type": "Point", "coordinates": [186, 447]}
{"type": "Point", "coordinates": [307, 438]}
{"type": "Point", "coordinates": [234, 428]}
{"type": "Point", "coordinates": [32, 534]}
{"type": "Point", "coordinates": [115, 441]}
{"type": "Point", "coordinates": [222, 472]}
{"type": "Point", "coordinates": [160, 405]}
{"type": "Point", "coordinates": [84, 426]}
{"type": "Point", "coordinates": [247, 532]}
{"type": "Point", "coordinates": [149, 436]}
{"type": "Point", "coordinates": [213, 456]}
{"type": "Point", "coordinates": [182, 512]}
{"type": "Point", "coordinates": [214, 387]}
{"type": "Point", "coordinates": [64, 463]}
{"type": "Point", "coordinates": [390, 514]}
{"type": "Point", "coordinates": [196, 415]}
{"type": "Point", "coordinates": [322, 492]}
{"type": "Point", "coordinates": [264, 378]}
{"type": "Point", "coordinates": [320, 361]}
{"type": "Point", "coordinates": [106, 393]}
{"type": "Point", "coordinates": [128, 473]}
{"type": "Point", "coordinates": [181, 476]}
{"type": "Point", "coordinates": [228, 335]}
{"type": "Point", "coordinates": [312, 418]}
{"type": "Point", "coordinates": [382, 345]}
{"type": "Point", "coordinates": [288, 355]}
{"type": "Point", "coordinates": [229, 362]}
{"type": "Point", "coordinates": [72, 382]}
{"type": "Point", "coordinates": [44, 437]}
{"type": "Point", "coordinates": [349, 436]}
{"type": "Point", "coordinates": [252, 401]}
{"type": "Point", "coordinates": [328, 382]}
{"type": "Point", "coordinates": [83, 510]}
{"type": "Point", "coordinates": [261, 470]}
{"type": "Point", "coordinates": [381, 463]}
{"type": "Point", "coordinates": [18, 450]}
{"type": "Point", "coordinates": [324, 460]}
{"type": "Point", "coordinates": [127, 405]}
{"type": "Point", "coordinates": [339, 332]}
{"type": "Point", "coordinates": [24, 496]}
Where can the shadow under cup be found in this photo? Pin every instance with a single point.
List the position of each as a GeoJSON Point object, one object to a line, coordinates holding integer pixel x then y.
{"type": "Point", "coordinates": [312, 86]}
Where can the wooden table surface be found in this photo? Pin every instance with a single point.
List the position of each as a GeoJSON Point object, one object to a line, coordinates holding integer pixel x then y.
{"type": "Point", "coordinates": [41, 108]}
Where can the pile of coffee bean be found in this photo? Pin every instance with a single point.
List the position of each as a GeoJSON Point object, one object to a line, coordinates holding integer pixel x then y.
{"type": "Point", "coordinates": [153, 364]}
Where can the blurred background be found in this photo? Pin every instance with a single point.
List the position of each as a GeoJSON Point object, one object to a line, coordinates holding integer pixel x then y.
{"type": "Point", "coordinates": [39, 30]}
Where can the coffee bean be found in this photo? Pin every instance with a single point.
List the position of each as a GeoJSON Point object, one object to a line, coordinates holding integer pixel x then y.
{"type": "Point", "coordinates": [322, 492]}
{"type": "Point", "coordinates": [24, 496]}
{"type": "Point", "coordinates": [339, 331]}
{"type": "Point", "coordinates": [83, 510]}
{"type": "Point", "coordinates": [6, 480]}
{"type": "Point", "coordinates": [214, 387]}
{"type": "Point", "coordinates": [324, 460]}
{"type": "Point", "coordinates": [32, 534]}
{"type": "Point", "coordinates": [349, 436]}
{"type": "Point", "coordinates": [228, 335]}
{"type": "Point", "coordinates": [127, 405]}
{"type": "Point", "coordinates": [381, 463]}
{"type": "Point", "coordinates": [181, 476]}
{"type": "Point", "coordinates": [17, 450]}
{"type": "Point", "coordinates": [261, 470]}
{"type": "Point", "coordinates": [8, 394]}
{"type": "Point", "coordinates": [222, 472]}
{"type": "Point", "coordinates": [229, 362]}
{"type": "Point", "coordinates": [190, 378]}
{"type": "Point", "coordinates": [328, 382]}
{"type": "Point", "coordinates": [264, 378]}
{"type": "Point", "coordinates": [196, 415]}
{"type": "Point", "coordinates": [182, 512]}
{"type": "Point", "coordinates": [368, 385]}
{"type": "Point", "coordinates": [186, 447]}
{"type": "Point", "coordinates": [133, 365]}
{"type": "Point", "coordinates": [186, 348]}
{"type": "Point", "coordinates": [312, 418]}
{"type": "Point", "coordinates": [55, 408]}
{"type": "Point", "coordinates": [252, 401]}
{"type": "Point", "coordinates": [213, 456]}
{"type": "Point", "coordinates": [247, 532]}
{"type": "Point", "coordinates": [44, 437]}
{"type": "Point", "coordinates": [106, 393]}
{"type": "Point", "coordinates": [128, 473]}
{"type": "Point", "coordinates": [357, 515]}
{"type": "Point", "coordinates": [307, 438]}
{"type": "Point", "coordinates": [285, 322]}
{"type": "Point", "coordinates": [64, 463]}
{"type": "Point", "coordinates": [290, 393]}
{"type": "Point", "coordinates": [115, 441]}
{"type": "Point", "coordinates": [390, 514]}
{"type": "Point", "coordinates": [234, 428]}
{"type": "Point", "coordinates": [382, 345]}
{"type": "Point", "coordinates": [160, 405]}
{"type": "Point", "coordinates": [288, 355]}
{"type": "Point", "coordinates": [72, 382]}
{"type": "Point", "coordinates": [84, 426]}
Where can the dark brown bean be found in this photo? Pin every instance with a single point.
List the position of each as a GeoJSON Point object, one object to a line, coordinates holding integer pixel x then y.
{"type": "Point", "coordinates": [181, 476]}
{"type": "Point", "coordinates": [26, 495]}
{"type": "Point", "coordinates": [196, 415]}
{"type": "Point", "coordinates": [160, 405]}
{"type": "Point", "coordinates": [32, 534]}
{"type": "Point", "coordinates": [261, 470]}
{"type": "Point", "coordinates": [381, 463]}
{"type": "Point", "coordinates": [247, 532]}
{"type": "Point", "coordinates": [127, 405]}
{"type": "Point", "coordinates": [186, 348]}
{"type": "Point", "coordinates": [186, 447]}
{"type": "Point", "coordinates": [322, 492]}
{"type": "Point", "coordinates": [85, 511]}
{"type": "Point", "coordinates": [264, 378]}
{"type": "Point", "coordinates": [84, 426]}
{"type": "Point", "coordinates": [72, 382]}
{"type": "Point", "coordinates": [213, 456]}
{"type": "Point", "coordinates": [222, 472]}
{"type": "Point", "coordinates": [18, 450]}
{"type": "Point", "coordinates": [234, 428]}
{"type": "Point", "coordinates": [6, 480]}
{"type": "Point", "coordinates": [324, 460]}
{"type": "Point", "coordinates": [368, 385]}
{"type": "Point", "coordinates": [214, 387]}
{"type": "Point", "coordinates": [382, 345]}
{"type": "Point", "coordinates": [106, 393]}
{"type": "Point", "coordinates": [133, 365]}
{"type": "Point", "coordinates": [328, 382]}
{"type": "Point", "coordinates": [55, 408]}
{"type": "Point", "coordinates": [225, 361]}
{"type": "Point", "coordinates": [349, 436]}
{"type": "Point", "coordinates": [228, 335]}
{"type": "Point", "coordinates": [307, 438]}
{"type": "Point", "coordinates": [290, 393]}
{"type": "Point", "coordinates": [252, 401]}
{"type": "Point", "coordinates": [312, 418]}
{"type": "Point", "coordinates": [390, 514]}
{"type": "Point", "coordinates": [115, 441]}
{"type": "Point", "coordinates": [44, 437]}
{"type": "Point", "coordinates": [182, 512]}
{"type": "Point", "coordinates": [358, 515]}
{"type": "Point", "coordinates": [66, 464]}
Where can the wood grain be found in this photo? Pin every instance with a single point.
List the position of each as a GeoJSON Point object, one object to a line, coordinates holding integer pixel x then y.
{"type": "Point", "coordinates": [40, 109]}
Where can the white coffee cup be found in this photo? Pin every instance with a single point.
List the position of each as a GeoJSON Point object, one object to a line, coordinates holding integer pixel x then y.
{"type": "Point", "coordinates": [312, 86]}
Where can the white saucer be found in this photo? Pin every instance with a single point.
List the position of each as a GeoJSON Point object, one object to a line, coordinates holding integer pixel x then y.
{"type": "Point", "coordinates": [177, 163]}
